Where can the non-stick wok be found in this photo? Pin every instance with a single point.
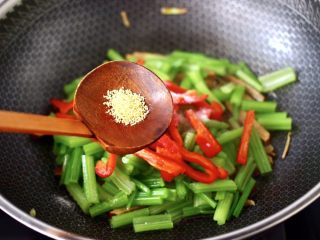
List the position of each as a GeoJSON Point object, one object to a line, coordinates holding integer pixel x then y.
{"type": "Point", "coordinates": [45, 44]}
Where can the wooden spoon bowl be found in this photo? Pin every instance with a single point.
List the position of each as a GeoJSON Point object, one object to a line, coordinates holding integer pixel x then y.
{"type": "Point", "coordinates": [116, 137]}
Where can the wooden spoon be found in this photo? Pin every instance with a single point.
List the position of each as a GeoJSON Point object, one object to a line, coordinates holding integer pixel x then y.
{"type": "Point", "coordinates": [93, 119]}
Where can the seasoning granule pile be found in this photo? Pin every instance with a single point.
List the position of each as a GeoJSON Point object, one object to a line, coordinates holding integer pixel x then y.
{"type": "Point", "coordinates": [125, 106]}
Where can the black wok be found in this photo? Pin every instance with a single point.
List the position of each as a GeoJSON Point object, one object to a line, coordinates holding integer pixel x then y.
{"type": "Point", "coordinates": [44, 44]}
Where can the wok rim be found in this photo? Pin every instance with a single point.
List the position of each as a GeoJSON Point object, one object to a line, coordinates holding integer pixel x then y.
{"type": "Point", "coordinates": [262, 225]}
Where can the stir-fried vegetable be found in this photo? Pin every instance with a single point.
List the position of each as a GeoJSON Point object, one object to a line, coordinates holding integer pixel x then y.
{"type": "Point", "coordinates": [206, 161]}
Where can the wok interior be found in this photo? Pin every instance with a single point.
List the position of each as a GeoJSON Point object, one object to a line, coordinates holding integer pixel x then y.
{"type": "Point", "coordinates": [67, 39]}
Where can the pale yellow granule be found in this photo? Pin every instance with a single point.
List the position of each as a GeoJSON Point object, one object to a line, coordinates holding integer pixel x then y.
{"type": "Point", "coordinates": [125, 106]}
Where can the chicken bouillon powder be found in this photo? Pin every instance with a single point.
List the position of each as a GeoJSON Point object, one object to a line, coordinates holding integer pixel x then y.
{"type": "Point", "coordinates": [125, 106]}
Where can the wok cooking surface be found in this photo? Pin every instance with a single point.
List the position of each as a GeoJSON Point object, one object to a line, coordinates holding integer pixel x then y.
{"type": "Point", "coordinates": [47, 44]}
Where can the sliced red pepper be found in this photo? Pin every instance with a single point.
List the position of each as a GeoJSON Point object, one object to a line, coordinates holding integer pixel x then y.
{"type": "Point", "coordinates": [208, 176]}
{"type": "Point", "coordinates": [166, 147]}
{"type": "Point", "coordinates": [174, 88]}
{"type": "Point", "coordinates": [62, 106]}
{"type": "Point", "coordinates": [206, 141]}
{"type": "Point", "coordinates": [140, 61]}
{"type": "Point", "coordinates": [173, 129]}
{"type": "Point", "coordinates": [167, 176]}
{"type": "Point", "coordinates": [64, 115]}
{"type": "Point", "coordinates": [106, 169]}
{"type": "Point", "coordinates": [58, 171]}
{"type": "Point", "coordinates": [198, 159]}
{"type": "Point", "coordinates": [189, 97]}
{"type": "Point", "coordinates": [161, 163]}
{"type": "Point", "coordinates": [222, 173]}
{"type": "Point", "coordinates": [217, 111]}
{"type": "Point", "coordinates": [245, 138]}
{"type": "Point", "coordinates": [212, 111]}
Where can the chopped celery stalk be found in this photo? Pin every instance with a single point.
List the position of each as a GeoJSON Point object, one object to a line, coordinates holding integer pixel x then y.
{"type": "Point", "coordinates": [161, 208]}
{"type": "Point", "coordinates": [92, 148]}
{"type": "Point", "coordinates": [176, 216]}
{"type": "Point", "coordinates": [103, 195]}
{"type": "Point", "coordinates": [228, 88]}
{"type": "Point", "coordinates": [193, 211]}
{"type": "Point", "coordinates": [71, 87]}
{"type": "Point", "coordinates": [154, 222]}
{"type": "Point", "coordinates": [244, 67]}
{"type": "Point", "coordinates": [259, 107]}
{"type": "Point", "coordinates": [198, 150]}
{"type": "Point", "coordinates": [110, 188]}
{"type": "Point", "coordinates": [234, 204]}
{"type": "Point", "coordinates": [73, 167]}
{"type": "Point", "coordinates": [258, 153]}
{"type": "Point", "coordinates": [207, 199]}
{"type": "Point", "coordinates": [59, 160]}
{"type": "Point", "coordinates": [231, 151]}
{"type": "Point", "coordinates": [218, 185]}
{"type": "Point", "coordinates": [237, 95]}
{"type": "Point", "coordinates": [141, 186]}
{"type": "Point", "coordinates": [244, 174]}
{"type": "Point", "coordinates": [63, 149]}
{"type": "Point", "coordinates": [161, 74]}
{"type": "Point", "coordinates": [179, 206]}
{"type": "Point", "coordinates": [186, 83]}
{"type": "Point", "coordinates": [127, 218]}
{"type": "Point", "coordinates": [89, 179]}
{"type": "Point", "coordinates": [64, 166]}
{"type": "Point", "coordinates": [190, 140]}
{"type": "Point", "coordinates": [234, 122]}
{"type": "Point", "coordinates": [221, 96]}
{"type": "Point", "coordinates": [131, 199]}
{"type": "Point", "coordinates": [172, 196]}
{"type": "Point", "coordinates": [147, 200]}
{"type": "Point", "coordinates": [276, 124]}
{"type": "Point", "coordinates": [225, 164]}
{"type": "Point", "coordinates": [223, 208]}
{"type": "Point", "coordinates": [119, 200]}
{"type": "Point", "coordinates": [215, 124]}
{"type": "Point", "coordinates": [277, 79]}
{"type": "Point", "coordinates": [200, 202]}
{"type": "Point", "coordinates": [78, 195]}
{"type": "Point", "coordinates": [135, 161]}
{"type": "Point", "coordinates": [229, 136]}
{"type": "Point", "coordinates": [71, 141]}
{"type": "Point", "coordinates": [249, 79]}
{"type": "Point", "coordinates": [156, 192]}
{"type": "Point", "coordinates": [274, 115]}
{"type": "Point", "coordinates": [199, 84]}
{"type": "Point", "coordinates": [153, 182]}
{"type": "Point", "coordinates": [220, 195]}
{"type": "Point", "coordinates": [181, 188]}
{"type": "Point", "coordinates": [244, 197]}
{"type": "Point", "coordinates": [122, 181]}
{"type": "Point", "coordinates": [114, 55]}
{"type": "Point", "coordinates": [217, 69]}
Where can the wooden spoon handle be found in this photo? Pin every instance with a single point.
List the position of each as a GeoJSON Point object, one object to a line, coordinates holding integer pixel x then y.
{"type": "Point", "coordinates": [40, 124]}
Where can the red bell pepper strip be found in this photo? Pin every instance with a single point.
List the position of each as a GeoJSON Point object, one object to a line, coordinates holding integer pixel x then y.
{"type": "Point", "coordinates": [208, 176]}
{"type": "Point", "coordinates": [106, 169]}
{"type": "Point", "coordinates": [206, 141]}
{"type": "Point", "coordinates": [167, 176]}
{"type": "Point", "coordinates": [161, 163]}
{"type": "Point", "coordinates": [213, 111]}
{"type": "Point", "coordinates": [140, 61]}
{"type": "Point", "coordinates": [174, 88]}
{"type": "Point", "coordinates": [173, 129]}
{"type": "Point", "coordinates": [217, 111]}
{"type": "Point", "coordinates": [245, 138]}
{"type": "Point", "coordinates": [166, 147]}
{"type": "Point", "coordinates": [62, 106]}
{"type": "Point", "coordinates": [189, 97]}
